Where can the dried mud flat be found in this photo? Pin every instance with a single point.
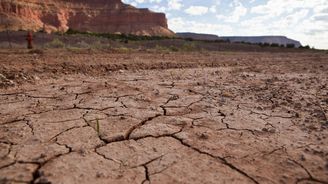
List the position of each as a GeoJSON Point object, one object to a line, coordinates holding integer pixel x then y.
{"type": "Point", "coordinates": [174, 118]}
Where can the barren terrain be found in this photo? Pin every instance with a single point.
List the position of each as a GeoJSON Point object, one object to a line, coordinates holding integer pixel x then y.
{"type": "Point", "coordinates": [154, 117]}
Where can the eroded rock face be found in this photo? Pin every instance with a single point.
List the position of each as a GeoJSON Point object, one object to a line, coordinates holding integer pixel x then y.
{"type": "Point", "coordinates": [101, 16]}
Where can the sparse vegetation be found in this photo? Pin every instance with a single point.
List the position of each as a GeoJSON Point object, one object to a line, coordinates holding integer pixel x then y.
{"type": "Point", "coordinates": [188, 46]}
{"type": "Point", "coordinates": [124, 43]}
{"type": "Point", "coordinates": [123, 37]}
{"type": "Point", "coordinates": [266, 44]}
{"type": "Point", "coordinates": [83, 44]}
{"type": "Point", "coordinates": [173, 48]}
{"type": "Point", "coordinates": [305, 47]}
{"type": "Point", "coordinates": [123, 49]}
{"type": "Point", "coordinates": [36, 51]}
{"type": "Point", "coordinates": [274, 45]}
{"type": "Point", "coordinates": [75, 49]}
{"type": "Point", "coordinates": [97, 126]}
{"type": "Point", "coordinates": [290, 45]}
{"type": "Point", "coordinates": [161, 48]}
{"type": "Point", "coordinates": [55, 43]}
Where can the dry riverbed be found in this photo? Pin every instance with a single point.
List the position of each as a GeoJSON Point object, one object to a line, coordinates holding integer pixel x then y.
{"type": "Point", "coordinates": [163, 117]}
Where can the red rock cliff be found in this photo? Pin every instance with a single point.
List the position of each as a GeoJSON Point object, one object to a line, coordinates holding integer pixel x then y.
{"type": "Point", "coordinates": [102, 16]}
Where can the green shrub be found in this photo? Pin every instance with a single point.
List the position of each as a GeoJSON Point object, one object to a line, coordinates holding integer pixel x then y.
{"type": "Point", "coordinates": [161, 48]}
{"type": "Point", "coordinates": [123, 49]}
{"type": "Point", "coordinates": [173, 48]}
{"type": "Point", "coordinates": [305, 47]}
{"type": "Point", "coordinates": [274, 45]}
{"type": "Point", "coordinates": [74, 49]}
{"type": "Point", "coordinates": [189, 46]}
{"type": "Point", "coordinates": [189, 39]}
{"type": "Point", "coordinates": [123, 37]}
{"type": "Point", "coordinates": [55, 43]}
{"type": "Point", "coordinates": [266, 44]}
{"type": "Point", "coordinates": [97, 126]}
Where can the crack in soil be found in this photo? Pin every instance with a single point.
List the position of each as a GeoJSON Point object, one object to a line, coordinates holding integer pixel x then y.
{"type": "Point", "coordinates": [67, 130]}
{"type": "Point", "coordinates": [130, 131]}
{"type": "Point", "coordinates": [215, 95]}
{"type": "Point", "coordinates": [37, 174]}
{"type": "Point", "coordinates": [144, 165]}
{"type": "Point", "coordinates": [221, 159]}
{"type": "Point", "coordinates": [310, 178]}
{"type": "Point", "coordinates": [107, 158]}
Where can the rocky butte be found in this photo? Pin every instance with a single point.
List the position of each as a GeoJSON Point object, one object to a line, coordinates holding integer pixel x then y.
{"type": "Point", "coordinates": [101, 16]}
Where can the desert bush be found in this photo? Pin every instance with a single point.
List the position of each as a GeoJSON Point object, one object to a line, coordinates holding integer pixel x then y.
{"type": "Point", "coordinates": [189, 39]}
{"type": "Point", "coordinates": [82, 44]}
{"type": "Point", "coordinates": [290, 45]}
{"type": "Point", "coordinates": [36, 51]}
{"type": "Point", "coordinates": [99, 45]}
{"type": "Point", "coordinates": [274, 45]}
{"type": "Point", "coordinates": [161, 48]}
{"type": "Point", "coordinates": [188, 46]}
{"type": "Point", "coordinates": [173, 48]}
{"type": "Point", "coordinates": [305, 47]}
{"type": "Point", "coordinates": [13, 45]}
{"type": "Point", "coordinates": [222, 41]}
{"type": "Point", "coordinates": [74, 49]}
{"type": "Point", "coordinates": [126, 41]}
{"type": "Point", "coordinates": [123, 49]}
{"type": "Point", "coordinates": [55, 43]}
{"type": "Point", "coordinates": [122, 37]}
{"type": "Point", "coordinates": [266, 44]}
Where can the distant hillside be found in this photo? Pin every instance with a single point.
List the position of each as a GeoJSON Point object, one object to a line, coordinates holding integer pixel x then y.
{"type": "Point", "coordinates": [198, 36]}
{"type": "Point", "coordinates": [281, 40]}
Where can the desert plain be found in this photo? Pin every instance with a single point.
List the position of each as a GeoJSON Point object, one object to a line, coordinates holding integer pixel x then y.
{"type": "Point", "coordinates": [163, 117]}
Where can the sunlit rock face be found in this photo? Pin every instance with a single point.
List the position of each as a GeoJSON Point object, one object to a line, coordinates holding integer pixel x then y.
{"type": "Point", "coordinates": [102, 16]}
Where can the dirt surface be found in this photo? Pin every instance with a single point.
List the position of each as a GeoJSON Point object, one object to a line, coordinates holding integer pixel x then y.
{"type": "Point", "coordinates": [213, 117]}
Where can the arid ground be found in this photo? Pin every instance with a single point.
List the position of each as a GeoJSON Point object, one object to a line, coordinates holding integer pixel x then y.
{"type": "Point", "coordinates": [163, 117]}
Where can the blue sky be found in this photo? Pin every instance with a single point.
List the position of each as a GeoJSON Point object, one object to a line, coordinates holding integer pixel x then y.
{"type": "Point", "coordinates": [303, 20]}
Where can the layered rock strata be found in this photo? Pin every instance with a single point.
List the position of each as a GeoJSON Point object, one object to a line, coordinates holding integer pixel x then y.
{"type": "Point", "coordinates": [101, 16]}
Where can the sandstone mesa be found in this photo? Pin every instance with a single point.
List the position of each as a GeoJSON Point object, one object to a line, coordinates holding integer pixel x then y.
{"type": "Point", "coordinates": [102, 16]}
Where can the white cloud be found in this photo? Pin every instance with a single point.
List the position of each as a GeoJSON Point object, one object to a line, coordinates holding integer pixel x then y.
{"type": "Point", "coordinates": [302, 24]}
{"type": "Point", "coordinates": [158, 8]}
{"type": "Point", "coordinates": [239, 11]}
{"type": "Point", "coordinates": [136, 2]}
{"type": "Point", "coordinates": [140, 1]}
{"type": "Point", "coordinates": [279, 7]}
{"type": "Point", "coordinates": [174, 4]}
{"type": "Point", "coordinates": [179, 24]}
{"type": "Point", "coordinates": [213, 9]}
{"type": "Point", "coordinates": [196, 10]}
{"type": "Point", "coordinates": [155, 1]}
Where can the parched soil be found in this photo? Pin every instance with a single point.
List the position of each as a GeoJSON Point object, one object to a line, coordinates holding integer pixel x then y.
{"type": "Point", "coordinates": [205, 117]}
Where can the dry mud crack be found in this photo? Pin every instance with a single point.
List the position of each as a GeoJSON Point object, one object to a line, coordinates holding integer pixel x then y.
{"type": "Point", "coordinates": [188, 125]}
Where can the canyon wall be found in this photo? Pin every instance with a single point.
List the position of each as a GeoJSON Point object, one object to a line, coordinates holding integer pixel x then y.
{"type": "Point", "coordinates": [101, 16]}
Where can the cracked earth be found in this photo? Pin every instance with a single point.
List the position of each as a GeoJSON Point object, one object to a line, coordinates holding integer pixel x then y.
{"type": "Point", "coordinates": [239, 118]}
